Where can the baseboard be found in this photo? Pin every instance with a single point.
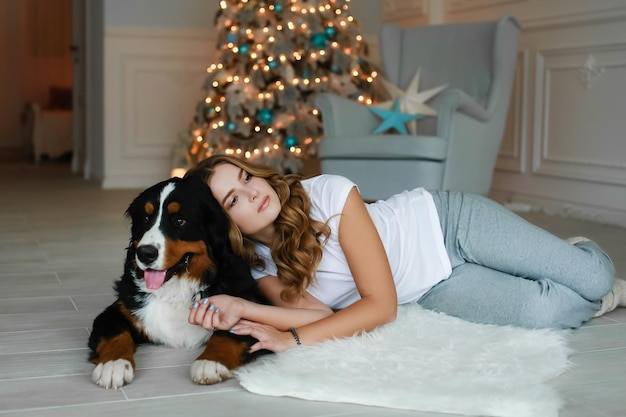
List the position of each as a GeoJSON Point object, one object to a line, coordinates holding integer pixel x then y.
{"type": "Point", "coordinates": [524, 202]}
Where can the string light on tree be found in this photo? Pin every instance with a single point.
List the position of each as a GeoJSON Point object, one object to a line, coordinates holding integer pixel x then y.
{"type": "Point", "coordinates": [273, 57]}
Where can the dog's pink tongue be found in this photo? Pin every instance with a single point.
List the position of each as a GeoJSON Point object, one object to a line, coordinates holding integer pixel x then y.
{"type": "Point", "coordinates": [154, 279]}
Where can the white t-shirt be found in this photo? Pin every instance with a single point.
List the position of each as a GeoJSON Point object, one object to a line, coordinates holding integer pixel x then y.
{"type": "Point", "coordinates": [408, 225]}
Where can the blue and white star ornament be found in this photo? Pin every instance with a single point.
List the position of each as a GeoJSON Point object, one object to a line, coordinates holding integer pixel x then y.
{"type": "Point", "coordinates": [411, 101]}
{"type": "Point", "coordinates": [394, 118]}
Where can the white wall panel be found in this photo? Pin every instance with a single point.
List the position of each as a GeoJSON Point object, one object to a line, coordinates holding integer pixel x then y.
{"type": "Point", "coordinates": [152, 87]}
{"type": "Point", "coordinates": [579, 125]}
{"type": "Point", "coordinates": [153, 82]}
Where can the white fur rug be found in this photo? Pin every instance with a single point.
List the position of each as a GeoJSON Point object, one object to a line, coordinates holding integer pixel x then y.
{"type": "Point", "coordinates": [424, 361]}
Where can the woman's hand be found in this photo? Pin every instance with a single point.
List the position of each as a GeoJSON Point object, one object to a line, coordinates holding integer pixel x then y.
{"type": "Point", "coordinates": [219, 312]}
{"type": "Point", "coordinates": [268, 337]}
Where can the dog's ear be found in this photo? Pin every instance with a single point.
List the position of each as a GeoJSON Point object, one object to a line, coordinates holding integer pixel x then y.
{"type": "Point", "coordinates": [216, 221]}
{"type": "Point", "coordinates": [234, 273]}
{"type": "Point", "coordinates": [135, 213]}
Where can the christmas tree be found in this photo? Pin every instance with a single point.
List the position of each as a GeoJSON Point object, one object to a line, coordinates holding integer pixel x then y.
{"type": "Point", "coordinates": [273, 57]}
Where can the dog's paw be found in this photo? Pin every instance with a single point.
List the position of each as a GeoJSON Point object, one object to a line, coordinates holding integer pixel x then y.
{"type": "Point", "coordinates": [113, 374]}
{"type": "Point", "coordinates": [206, 372]}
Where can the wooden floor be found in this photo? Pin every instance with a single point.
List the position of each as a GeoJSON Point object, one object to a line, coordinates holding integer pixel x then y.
{"type": "Point", "coordinates": [61, 246]}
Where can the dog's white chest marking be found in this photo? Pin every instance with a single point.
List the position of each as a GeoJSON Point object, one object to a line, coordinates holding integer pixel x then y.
{"type": "Point", "coordinates": [164, 316]}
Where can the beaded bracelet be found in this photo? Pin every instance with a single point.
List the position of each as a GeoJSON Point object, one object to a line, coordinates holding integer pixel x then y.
{"type": "Point", "coordinates": [294, 333]}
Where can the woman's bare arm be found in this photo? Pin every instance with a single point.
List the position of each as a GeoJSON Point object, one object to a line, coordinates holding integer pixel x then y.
{"type": "Point", "coordinates": [370, 269]}
{"type": "Point", "coordinates": [314, 321]}
{"type": "Point", "coordinates": [224, 311]}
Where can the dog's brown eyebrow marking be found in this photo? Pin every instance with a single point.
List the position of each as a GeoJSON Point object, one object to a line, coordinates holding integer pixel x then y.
{"type": "Point", "coordinates": [149, 208]}
{"type": "Point", "coordinates": [173, 207]}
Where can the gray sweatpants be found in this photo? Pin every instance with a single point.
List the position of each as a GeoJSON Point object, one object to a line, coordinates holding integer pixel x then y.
{"type": "Point", "coordinates": [507, 271]}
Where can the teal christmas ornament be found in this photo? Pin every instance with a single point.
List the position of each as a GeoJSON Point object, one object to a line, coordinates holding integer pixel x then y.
{"type": "Point", "coordinates": [272, 64]}
{"type": "Point", "coordinates": [319, 40]}
{"type": "Point", "coordinates": [244, 49]}
{"type": "Point", "coordinates": [291, 141]}
{"type": "Point", "coordinates": [394, 118]}
{"type": "Point", "coordinates": [265, 116]}
{"type": "Point", "coordinates": [278, 8]}
{"type": "Point", "coordinates": [231, 126]}
{"type": "Point", "coordinates": [330, 31]}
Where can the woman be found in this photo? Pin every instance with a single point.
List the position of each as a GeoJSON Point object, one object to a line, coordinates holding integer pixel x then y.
{"type": "Point", "coordinates": [332, 266]}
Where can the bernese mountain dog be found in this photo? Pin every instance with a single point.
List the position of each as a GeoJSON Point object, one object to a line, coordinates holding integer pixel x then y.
{"type": "Point", "coordinates": [179, 253]}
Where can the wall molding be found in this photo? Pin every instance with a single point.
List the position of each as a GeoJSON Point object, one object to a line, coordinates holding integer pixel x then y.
{"type": "Point", "coordinates": [156, 33]}
{"type": "Point", "coordinates": [153, 81]}
{"type": "Point", "coordinates": [588, 17]}
{"type": "Point", "coordinates": [589, 72]}
{"type": "Point", "coordinates": [140, 76]}
{"type": "Point", "coordinates": [580, 167]}
{"type": "Point", "coordinates": [457, 6]}
{"type": "Point", "coordinates": [399, 10]}
{"type": "Point", "coordinates": [514, 159]}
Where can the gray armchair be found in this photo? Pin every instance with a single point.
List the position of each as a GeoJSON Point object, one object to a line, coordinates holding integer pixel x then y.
{"type": "Point", "coordinates": [457, 149]}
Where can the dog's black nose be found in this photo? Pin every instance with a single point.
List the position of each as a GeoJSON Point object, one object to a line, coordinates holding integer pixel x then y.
{"type": "Point", "coordinates": [147, 253]}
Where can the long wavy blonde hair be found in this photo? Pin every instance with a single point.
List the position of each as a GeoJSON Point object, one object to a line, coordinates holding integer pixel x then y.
{"type": "Point", "coordinates": [296, 248]}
